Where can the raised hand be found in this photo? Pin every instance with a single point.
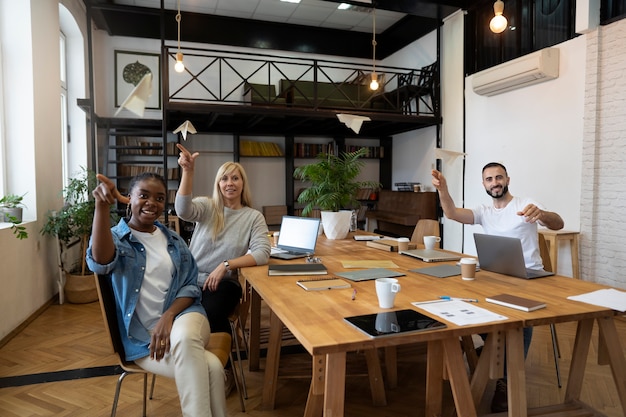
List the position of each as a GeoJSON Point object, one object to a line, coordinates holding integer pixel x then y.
{"type": "Point", "coordinates": [186, 159]}
{"type": "Point", "coordinates": [107, 193]}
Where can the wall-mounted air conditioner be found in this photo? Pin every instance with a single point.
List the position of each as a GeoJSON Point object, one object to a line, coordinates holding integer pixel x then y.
{"type": "Point", "coordinates": [527, 70]}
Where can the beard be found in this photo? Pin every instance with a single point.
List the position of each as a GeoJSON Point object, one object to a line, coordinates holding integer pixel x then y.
{"type": "Point", "coordinates": [505, 191]}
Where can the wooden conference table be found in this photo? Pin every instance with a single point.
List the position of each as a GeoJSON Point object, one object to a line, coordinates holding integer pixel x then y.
{"type": "Point", "coordinates": [315, 318]}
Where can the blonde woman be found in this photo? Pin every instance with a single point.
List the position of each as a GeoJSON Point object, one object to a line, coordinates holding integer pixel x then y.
{"type": "Point", "coordinates": [229, 234]}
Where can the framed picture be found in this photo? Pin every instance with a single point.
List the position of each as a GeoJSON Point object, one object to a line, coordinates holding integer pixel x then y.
{"type": "Point", "coordinates": [130, 68]}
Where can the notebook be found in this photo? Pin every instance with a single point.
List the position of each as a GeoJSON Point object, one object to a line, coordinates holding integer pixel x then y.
{"type": "Point", "coordinates": [439, 271]}
{"type": "Point", "coordinates": [394, 322]}
{"type": "Point", "coordinates": [431, 255]}
{"type": "Point", "coordinates": [504, 255]}
{"type": "Point", "coordinates": [369, 274]}
{"type": "Point", "coordinates": [514, 301]}
{"type": "Point", "coordinates": [317, 284]}
{"type": "Point", "coordinates": [296, 269]}
{"type": "Point", "coordinates": [297, 238]}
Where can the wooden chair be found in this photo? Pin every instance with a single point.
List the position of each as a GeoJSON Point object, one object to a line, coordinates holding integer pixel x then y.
{"type": "Point", "coordinates": [219, 344]}
{"type": "Point", "coordinates": [425, 227]}
{"type": "Point", "coordinates": [237, 325]}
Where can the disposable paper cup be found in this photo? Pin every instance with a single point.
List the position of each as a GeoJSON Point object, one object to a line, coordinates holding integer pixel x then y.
{"type": "Point", "coordinates": [468, 268]}
{"type": "Point", "coordinates": [403, 243]}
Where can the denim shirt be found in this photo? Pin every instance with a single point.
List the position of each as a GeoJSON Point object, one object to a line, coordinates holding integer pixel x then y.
{"type": "Point", "coordinates": [126, 271]}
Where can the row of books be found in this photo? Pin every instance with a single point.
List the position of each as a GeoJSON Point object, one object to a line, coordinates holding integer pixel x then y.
{"type": "Point", "coordinates": [132, 170]}
{"type": "Point", "coordinates": [252, 148]}
{"type": "Point", "coordinates": [311, 150]}
{"type": "Point", "coordinates": [142, 147]}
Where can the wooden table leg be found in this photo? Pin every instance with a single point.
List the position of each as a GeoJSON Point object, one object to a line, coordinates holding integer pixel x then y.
{"type": "Point", "coordinates": [480, 376]}
{"type": "Point", "coordinates": [255, 331]}
{"type": "Point", "coordinates": [579, 360]}
{"type": "Point", "coordinates": [608, 334]}
{"type": "Point", "coordinates": [376, 377]}
{"type": "Point", "coordinates": [335, 389]}
{"type": "Point", "coordinates": [434, 379]}
{"type": "Point", "coordinates": [315, 401]}
{"type": "Point", "coordinates": [272, 361]}
{"type": "Point", "coordinates": [391, 366]}
{"type": "Point", "coordinates": [516, 373]}
{"type": "Point", "coordinates": [459, 381]}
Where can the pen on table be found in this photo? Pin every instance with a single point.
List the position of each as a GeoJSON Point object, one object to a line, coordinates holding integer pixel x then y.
{"type": "Point", "coordinates": [448, 298]}
{"type": "Point", "coordinates": [354, 294]}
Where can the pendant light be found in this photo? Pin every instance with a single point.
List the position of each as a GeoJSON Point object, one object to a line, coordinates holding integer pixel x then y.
{"type": "Point", "coordinates": [498, 22]}
{"type": "Point", "coordinates": [179, 66]}
{"type": "Point", "coordinates": [374, 83]}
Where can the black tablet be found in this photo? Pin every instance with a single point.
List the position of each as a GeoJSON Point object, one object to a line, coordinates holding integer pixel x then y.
{"type": "Point", "coordinates": [394, 322]}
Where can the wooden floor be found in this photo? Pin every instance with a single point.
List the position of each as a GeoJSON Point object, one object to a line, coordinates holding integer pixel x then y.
{"type": "Point", "coordinates": [66, 338]}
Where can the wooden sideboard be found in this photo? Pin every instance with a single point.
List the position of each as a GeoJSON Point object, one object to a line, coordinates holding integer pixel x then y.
{"type": "Point", "coordinates": [397, 212]}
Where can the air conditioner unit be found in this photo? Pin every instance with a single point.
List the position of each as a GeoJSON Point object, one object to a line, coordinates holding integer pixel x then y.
{"type": "Point", "coordinates": [530, 69]}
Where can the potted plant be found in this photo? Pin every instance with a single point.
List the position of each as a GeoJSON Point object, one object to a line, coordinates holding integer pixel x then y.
{"type": "Point", "coordinates": [71, 225]}
{"type": "Point", "coordinates": [333, 189]}
{"type": "Point", "coordinates": [11, 209]}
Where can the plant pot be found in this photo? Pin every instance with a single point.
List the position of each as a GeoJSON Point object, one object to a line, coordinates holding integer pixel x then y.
{"type": "Point", "coordinates": [11, 211]}
{"type": "Point", "coordinates": [336, 224]}
{"type": "Point", "coordinates": [80, 289]}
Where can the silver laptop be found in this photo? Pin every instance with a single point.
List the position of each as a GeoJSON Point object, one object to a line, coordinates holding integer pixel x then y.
{"type": "Point", "coordinates": [504, 255]}
{"type": "Point", "coordinates": [431, 255]}
{"type": "Point", "coordinates": [297, 238]}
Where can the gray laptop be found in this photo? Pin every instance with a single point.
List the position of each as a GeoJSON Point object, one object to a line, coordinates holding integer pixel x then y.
{"type": "Point", "coordinates": [297, 238]}
{"type": "Point", "coordinates": [431, 255]}
{"type": "Point", "coordinates": [504, 255]}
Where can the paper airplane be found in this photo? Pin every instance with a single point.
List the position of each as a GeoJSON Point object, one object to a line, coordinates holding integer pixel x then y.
{"type": "Point", "coordinates": [447, 155]}
{"type": "Point", "coordinates": [137, 99]}
{"type": "Point", "coordinates": [352, 121]}
{"type": "Point", "coordinates": [184, 128]}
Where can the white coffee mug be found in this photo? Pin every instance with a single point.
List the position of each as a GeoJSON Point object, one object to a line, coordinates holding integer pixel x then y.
{"type": "Point", "coordinates": [430, 241]}
{"type": "Point", "coordinates": [386, 290]}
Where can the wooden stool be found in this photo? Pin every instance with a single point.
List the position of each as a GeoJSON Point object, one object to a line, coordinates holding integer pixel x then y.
{"type": "Point", "coordinates": [553, 237]}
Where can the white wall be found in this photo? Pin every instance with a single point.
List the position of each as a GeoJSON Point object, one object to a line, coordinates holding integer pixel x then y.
{"type": "Point", "coordinates": [536, 132]}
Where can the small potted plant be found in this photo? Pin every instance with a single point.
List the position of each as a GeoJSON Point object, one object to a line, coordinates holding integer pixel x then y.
{"type": "Point", "coordinates": [71, 225]}
{"type": "Point", "coordinates": [11, 210]}
{"type": "Point", "coordinates": [334, 189]}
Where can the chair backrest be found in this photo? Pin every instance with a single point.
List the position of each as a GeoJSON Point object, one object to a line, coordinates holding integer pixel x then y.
{"type": "Point", "coordinates": [109, 315]}
{"type": "Point", "coordinates": [427, 75]}
{"type": "Point", "coordinates": [545, 254]}
{"type": "Point", "coordinates": [425, 227]}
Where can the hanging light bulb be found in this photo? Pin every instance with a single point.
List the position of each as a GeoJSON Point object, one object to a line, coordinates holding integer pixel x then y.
{"type": "Point", "coordinates": [179, 66]}
{"type": "Point", "coordinates": [498, 22]}
{"type": "Point", "coordinates": [374, 83]}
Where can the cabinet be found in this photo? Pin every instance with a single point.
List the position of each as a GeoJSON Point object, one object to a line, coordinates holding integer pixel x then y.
{"type": "Point", "coordinates": [136, 146]}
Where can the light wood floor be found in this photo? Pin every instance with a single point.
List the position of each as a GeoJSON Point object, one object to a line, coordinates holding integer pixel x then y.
{"type": "Point", "coordinates": [69, 337]}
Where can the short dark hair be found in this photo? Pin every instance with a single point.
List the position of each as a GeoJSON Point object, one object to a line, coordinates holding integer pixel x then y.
{"type": "Point", "coordinates": [143, 176]}
{"type": "Point", "coordinates": [495, 164]}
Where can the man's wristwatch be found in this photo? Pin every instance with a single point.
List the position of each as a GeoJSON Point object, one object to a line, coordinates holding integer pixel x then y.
{"type": "Point", "coordinates": [226, 265]}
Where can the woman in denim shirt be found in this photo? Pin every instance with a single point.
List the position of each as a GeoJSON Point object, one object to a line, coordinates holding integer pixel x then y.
{"type": "Point", "coordinates": [162, 323]}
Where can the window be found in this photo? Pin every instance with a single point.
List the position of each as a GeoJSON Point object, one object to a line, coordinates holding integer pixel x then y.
{"type": "Point", "coordinates": [64, 125]}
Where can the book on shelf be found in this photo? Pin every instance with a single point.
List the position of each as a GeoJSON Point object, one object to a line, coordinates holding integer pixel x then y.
{"type": "Point", "coordinates": [296, 269]}
{"type": "Point", "coordinates": [318, 284]}
{"type": "Point", "coordinates": [516, 302]}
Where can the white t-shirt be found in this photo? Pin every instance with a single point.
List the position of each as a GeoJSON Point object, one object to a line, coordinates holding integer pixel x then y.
{"type": "Point", "coordinates": [157, 277]}
{"type": "Point", "coordinates": [506, 222]}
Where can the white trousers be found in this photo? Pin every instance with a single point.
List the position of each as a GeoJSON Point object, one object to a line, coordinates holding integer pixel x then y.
{"type": "Point", "coordinates": [198, 373]}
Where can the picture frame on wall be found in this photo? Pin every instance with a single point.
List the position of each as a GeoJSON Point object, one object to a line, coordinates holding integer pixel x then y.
{"type": "Point", "coordinates": [130, 67]}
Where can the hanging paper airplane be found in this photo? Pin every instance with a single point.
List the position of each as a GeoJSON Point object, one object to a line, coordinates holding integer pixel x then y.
{"type": "Point", "coordinates": [184, 128]}
{"type": "Point", "coordinates": [137, 99]}
{"type": "Point", "coordinates": [352, 121]}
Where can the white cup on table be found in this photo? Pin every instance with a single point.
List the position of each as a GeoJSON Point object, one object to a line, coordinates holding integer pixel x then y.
{"type": "Point", "coordinates": [403, 243]}
{"type": "Point", "coordinates": [386, 290]}
{"type": "Point", "coordinates": [430, 241]}
{"type": "Point", "coordinates": [468, 268]}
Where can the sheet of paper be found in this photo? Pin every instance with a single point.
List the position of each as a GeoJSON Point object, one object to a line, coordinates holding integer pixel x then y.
{"type": "Point", "coordinates": [609, 298]}
{"type": "Point", "coordinates": [459, 312]}
{"type": "Point", "coordinates": [371, 263]}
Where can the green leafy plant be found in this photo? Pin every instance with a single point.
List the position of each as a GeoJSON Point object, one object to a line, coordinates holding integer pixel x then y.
{"type": "Point", "coordinates": [73, 222]}
{"type": "Point", "coordinates": [333, 181]}
{"type": "Point", "coordinates": [12, 201]}
{"type": "Point", "coordinates": [18, 230]}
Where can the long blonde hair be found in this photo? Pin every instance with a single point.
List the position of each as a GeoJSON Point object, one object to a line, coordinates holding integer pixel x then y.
{"type": "Point", "coordinates": [217, 217]}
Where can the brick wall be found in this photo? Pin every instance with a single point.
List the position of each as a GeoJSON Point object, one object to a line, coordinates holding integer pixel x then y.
{"type": "Point", "coordinates": [603, 197]}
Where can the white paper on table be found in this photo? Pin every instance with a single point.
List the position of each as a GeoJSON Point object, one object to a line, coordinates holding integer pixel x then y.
{"type": "Point", "coordinates": [460, 313]}
{"type": "Point", "coordinates": [609, 298]}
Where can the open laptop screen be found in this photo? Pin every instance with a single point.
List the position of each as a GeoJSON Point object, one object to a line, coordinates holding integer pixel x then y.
{"type": "Point", "coordinates": [298, 234]}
